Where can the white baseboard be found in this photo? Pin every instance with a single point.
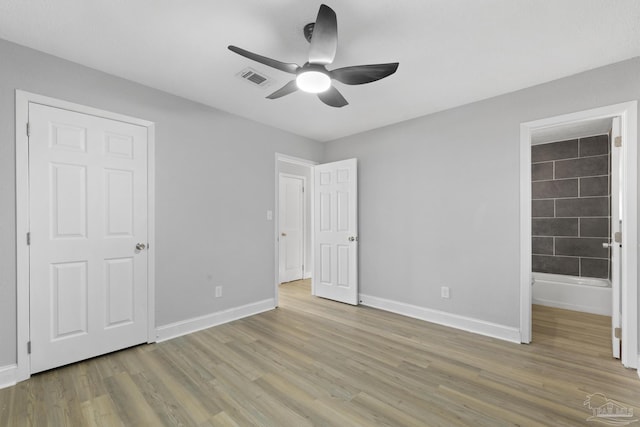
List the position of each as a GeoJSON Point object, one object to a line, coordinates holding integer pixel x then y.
{"type": "Point", "coordinates": [174, 330]}
{"type": "Point", "coordinates": [8, 375]}
{"type": "Point", "coordinates": [443, 318]}
{"type": "Point", "coordinates": [306, 275]}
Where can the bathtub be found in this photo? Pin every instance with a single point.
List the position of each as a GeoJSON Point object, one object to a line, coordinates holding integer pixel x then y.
{"type": "Point", "coordinates": [572, 293]}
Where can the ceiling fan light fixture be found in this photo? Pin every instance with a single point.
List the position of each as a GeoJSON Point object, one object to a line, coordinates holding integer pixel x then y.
{"type": "Point", "coordinates": [313, 81]}
{"type": "Point", "coordinates": [313, 76]}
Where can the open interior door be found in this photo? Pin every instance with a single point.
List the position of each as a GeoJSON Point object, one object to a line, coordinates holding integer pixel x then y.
{"type": "Point", "coordinates": [291, 222]}
{"type": "Point", "coordinates": [616, 229]}
{"type": "Point", "coordinates": [335, 231]}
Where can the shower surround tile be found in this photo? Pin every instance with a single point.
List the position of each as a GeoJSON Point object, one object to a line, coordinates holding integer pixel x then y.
{"type": "Point", "coordinates": [541, 171]}
{"type": "Point", "coordinates": [593, 206]}
{"type": "Point", "coordinates": [594, 145]}
{"type": "Point", "coordinates": [594, 227]}
{"type": "Point", "coordinates": [594, 267]}
{"type": "Point", "coordinates": [594, 186]}
{"type": "Point", "coordinates": [554, 227]}
{"type": "Point", "coordinates": [542, 245]}
{"type": "Point", "coordinates": [556, 265]}
{"type": "Point", "coordinates": [587, 166]}
{"type": "Point", "coordinates": [554, 151]}
{"type": "Point", "coordinates": [554, 189]}
{"type": "Point", "coordinates": [570, 188]}
{"type": "Point", "coordinates": [542, 208]}
{"type": "Point", "coordinates": [584, 247]}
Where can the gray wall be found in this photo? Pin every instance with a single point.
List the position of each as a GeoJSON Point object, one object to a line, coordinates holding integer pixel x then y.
{"type": "Point", "coordinates": [570, 207]}
{"type": "Point", "coordinates": [305, 171]}
{"type": "Point", "coordinates": [214, 185]}
{"type": "Point", "coordinates": [439, 195]}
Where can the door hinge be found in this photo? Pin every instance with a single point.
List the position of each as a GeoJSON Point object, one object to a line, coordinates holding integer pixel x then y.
{"type": "Point", "coordinates": [28, 347]}
{"type": "Point", "coordinates": [617, 332]}
{"type": "Point", "coordinates": [28, 129]}
{"type": "Point", "coordinates": [618, 141]}
{"type": "Point", "coordinates": [28, 238]}
{"type": "Point", "coordinates": [617, 237]}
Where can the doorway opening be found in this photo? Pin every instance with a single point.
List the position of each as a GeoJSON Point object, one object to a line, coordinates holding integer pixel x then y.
{"type": "Point", "coordinates": [578, 201]}
{"type": "Point", "coordinates": [574, 191]}
{"type": "Point", "coordinates": [294, 227]}
{"type": "Point", "coordinates": [293, 220]}
{"type": "Point", "coordinates": [331, 222]}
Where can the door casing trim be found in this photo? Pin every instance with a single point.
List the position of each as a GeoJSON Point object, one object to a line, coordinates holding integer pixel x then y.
{"type": "Point", "coordinates": [628, 113]}
{"type": "Point", "coordinates": [22, 100]}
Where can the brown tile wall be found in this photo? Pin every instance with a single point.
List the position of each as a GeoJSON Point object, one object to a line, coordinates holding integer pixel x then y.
{"type": "Point", "coordinates": [570, 207]}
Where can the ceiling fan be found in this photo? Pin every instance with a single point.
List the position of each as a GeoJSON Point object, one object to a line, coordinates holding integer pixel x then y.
{"type": "Point", "coordinates": [313, 77]}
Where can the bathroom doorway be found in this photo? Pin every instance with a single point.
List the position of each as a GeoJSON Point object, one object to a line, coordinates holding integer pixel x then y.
{"type": "Point", "coordinates": [578, 181]}
{"type": "Point", "coordinates": [571, 210]}
{"type": "Point", "coordinates": [575, 263]}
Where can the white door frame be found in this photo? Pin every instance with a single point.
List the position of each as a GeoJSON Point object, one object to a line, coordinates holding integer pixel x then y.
{"type": "Point", "coordinates": [276, 229]}
{"type": "Point", "coordinates": [629, 284]}
{"type": "Point", "coordinates": [23, 370]}
{"type": "Point", "coordinates": [305, 189]}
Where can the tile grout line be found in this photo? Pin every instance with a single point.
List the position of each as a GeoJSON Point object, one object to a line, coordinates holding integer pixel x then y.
{"type": "Point", "coordinates": [568, 178]}
{"type": "Point", "coordinates": [573, 256]}
{"type": "Point", "coordinates": [568, 159]}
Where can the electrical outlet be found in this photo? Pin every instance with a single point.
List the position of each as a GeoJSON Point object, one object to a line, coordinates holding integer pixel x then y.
{"type": "Point", "coordinates": [269, 215]}
{"type": "Point", "coordinates": [218, 291]}
{"type": "Point", "coordinates": [444, 292]}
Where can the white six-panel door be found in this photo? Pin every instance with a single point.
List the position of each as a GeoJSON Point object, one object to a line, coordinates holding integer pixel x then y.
{"type": "Point", "coordinates": [88, 211]}
{"type": "Point", "coordinates": [335, 269]}
{"type": "Point", "coordinates": [291, 223]}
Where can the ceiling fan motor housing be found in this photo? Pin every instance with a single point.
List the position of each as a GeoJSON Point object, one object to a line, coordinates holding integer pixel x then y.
{"type": "Point", "coordinates": [308, 31]}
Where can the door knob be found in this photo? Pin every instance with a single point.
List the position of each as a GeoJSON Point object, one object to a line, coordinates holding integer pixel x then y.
{"type": "Point", "coordinates": [607, 245]}
{"type": "Point", "coordinates": [352, 238]}
{"type": "Point", "coordinates": [140, 246]}
{"type": "Point", "coordinates": [283, 234]}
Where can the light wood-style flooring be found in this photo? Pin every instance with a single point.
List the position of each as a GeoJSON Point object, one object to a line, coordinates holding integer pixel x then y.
{"type": "Point", "coordinates": [321, 363]}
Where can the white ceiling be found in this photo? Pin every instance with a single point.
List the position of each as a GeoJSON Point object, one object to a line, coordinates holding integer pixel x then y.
{"type": "Point", "coordinates": [451, 52]}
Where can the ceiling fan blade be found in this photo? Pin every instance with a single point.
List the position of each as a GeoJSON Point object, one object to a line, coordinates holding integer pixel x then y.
{"type": "Point", "coordinates": [283, 66]}
{"type": "Point", "coordinates": [284, 90]}
{"type": "Point", "coordinates": [324, 40]}
{"type": "Point", "coordinates": [361, 74]}
{"type": "Point", "coordinates": [333, 98]}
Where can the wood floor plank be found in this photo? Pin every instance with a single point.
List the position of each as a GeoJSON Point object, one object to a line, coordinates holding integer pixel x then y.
{"type": "Point", "coordinates": [222, 419]}
{"type": "Point", "coordinates": [315, 362]}
{"type": "Point", "coordinates": [131, 405]}
{"type": "Point", "coordinates": [100, 412]}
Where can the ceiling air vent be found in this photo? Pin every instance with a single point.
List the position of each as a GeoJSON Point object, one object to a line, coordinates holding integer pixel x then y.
{"type": "Point", "coordinates": [254, 77]}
